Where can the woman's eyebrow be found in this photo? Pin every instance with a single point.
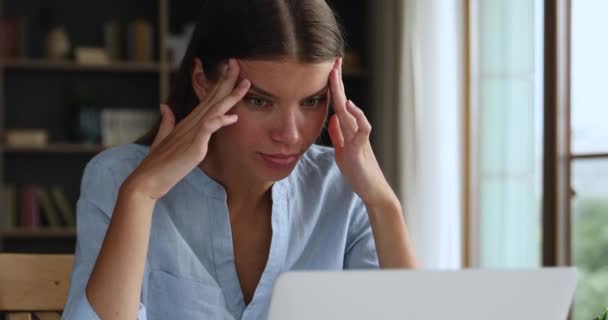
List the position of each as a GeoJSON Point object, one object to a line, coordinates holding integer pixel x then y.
{"type": "Point", "coordinates": [263, 92]}
{"type": "Point", "coordinates": [260, 91]}
{"type": "Point", "coordinates": [320, 92]}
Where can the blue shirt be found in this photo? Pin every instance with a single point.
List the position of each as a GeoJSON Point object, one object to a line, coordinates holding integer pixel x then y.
{"type": "Point", "coordinates": [318, 223]}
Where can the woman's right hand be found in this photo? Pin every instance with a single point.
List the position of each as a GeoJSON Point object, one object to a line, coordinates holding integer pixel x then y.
{"type": "Point", "coordinates": [177, 150]}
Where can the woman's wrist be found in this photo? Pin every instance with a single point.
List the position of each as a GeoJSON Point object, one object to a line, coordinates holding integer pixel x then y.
{"type": "Point", "coordinates": [132, 190]}
{"type": "Point", "coordinates": [387, 204]}
{"type": "Point", "coordinates": [384, 200]}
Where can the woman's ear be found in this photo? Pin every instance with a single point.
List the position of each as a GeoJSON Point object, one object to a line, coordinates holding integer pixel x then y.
{"type": "Point", "coordinates": [200, 83]}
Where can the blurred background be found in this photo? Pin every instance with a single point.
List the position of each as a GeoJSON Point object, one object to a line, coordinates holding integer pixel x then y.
{"type": "Point", "coordinates": [489, 119]}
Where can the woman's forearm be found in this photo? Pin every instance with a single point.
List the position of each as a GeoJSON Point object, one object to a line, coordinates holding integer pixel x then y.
{"type": "Point", "coordinates": [391, 236]}
{"type": "Point", "coordinates": [115, 283]}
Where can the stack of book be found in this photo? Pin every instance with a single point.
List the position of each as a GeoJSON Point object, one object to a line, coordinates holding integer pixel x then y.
{"type": "Point", "coordinates": [26, 137]}
{"type": "Point", "coordinates": [33, 206]}
{"type": "Point", "coordinates": [14, 37]}
{"type": "Point", "coordinates": [136, 42]}
{"type": "Point", "coordinates": [122, 126]}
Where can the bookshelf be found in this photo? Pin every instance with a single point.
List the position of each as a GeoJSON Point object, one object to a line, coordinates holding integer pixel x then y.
{"type": "Point", "coordinates": [57, 148]}
{"type": "Point", "coordinates": [40, 233]}
{"type": "Point", "coordinates": [37, 92]}
{"type": "Point", "coordinates": [49, 65]}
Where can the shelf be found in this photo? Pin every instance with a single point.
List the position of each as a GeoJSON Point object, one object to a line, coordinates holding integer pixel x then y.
{"type": "Point", "coordinates": [43, 64]}
{"type": "Point", "coordinates": [56, 148]}
{"type": "Point", "coordinates": [43, 232]}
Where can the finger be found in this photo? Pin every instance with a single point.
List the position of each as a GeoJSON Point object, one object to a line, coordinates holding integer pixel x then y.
{"type": "Point", "coordinates": [212, 125]}
{"type": "Point", "coordinates": [340, 79]}
{"type": "Point", "coordinates": [226, 82]}
{"type": "Point", "coordinates": [365, 128]}
{"type": "Point", "coordinates": [224, 66]}
{"type": "Point", "coordinates": [167, 124]}
{"type": "Point", "coordinates": [335, 134]}
{"type": "Point", "coordinates": [228, 102]}
{"type": "Point", "coordinates": [340, 60]}
{"type": "Point", "coordinates": [339, 99]}
{"type": "Point", "coordinates": [347, 123]}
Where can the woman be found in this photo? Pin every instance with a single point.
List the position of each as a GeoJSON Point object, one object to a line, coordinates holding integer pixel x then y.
{"type": "Point", "coordinates": [199, 218]}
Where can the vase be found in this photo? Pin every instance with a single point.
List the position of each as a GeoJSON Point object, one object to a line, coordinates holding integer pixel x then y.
{"type": "Point", "coordinates": [57, 44]}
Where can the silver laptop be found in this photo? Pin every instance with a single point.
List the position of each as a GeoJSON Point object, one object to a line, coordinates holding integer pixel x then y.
{"type": "Point", "coordinates": [540, 294]}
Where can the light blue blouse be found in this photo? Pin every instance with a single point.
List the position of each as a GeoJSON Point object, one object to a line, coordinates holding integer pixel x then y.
{"type": "Point", "coordinates": [318, 223]}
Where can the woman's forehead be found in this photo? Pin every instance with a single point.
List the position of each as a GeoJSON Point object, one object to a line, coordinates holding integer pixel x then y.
{"type": "Point", "coordinates": [284, 78]}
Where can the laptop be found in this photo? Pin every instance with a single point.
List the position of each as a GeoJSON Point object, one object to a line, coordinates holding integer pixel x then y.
{"type": "Point", "coordinates": [538, 294]}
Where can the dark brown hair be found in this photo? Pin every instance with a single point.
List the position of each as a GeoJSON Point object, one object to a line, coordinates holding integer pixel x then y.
{"type": "Point", "coordinates": [297, 30]}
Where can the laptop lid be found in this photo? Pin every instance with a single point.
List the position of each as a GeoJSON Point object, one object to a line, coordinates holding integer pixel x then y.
{"type": "Point", "coordinates": [539, 294]}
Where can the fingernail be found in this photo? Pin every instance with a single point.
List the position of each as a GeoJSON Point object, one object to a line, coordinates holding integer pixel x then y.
{"type": "Point", "coordinates": [225, 68]}
{"type": "Point", "coordinates": [162, 110]}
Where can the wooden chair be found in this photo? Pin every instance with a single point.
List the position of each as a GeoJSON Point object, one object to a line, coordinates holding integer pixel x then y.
{"type": "Point", "coordinates": [34, 286]}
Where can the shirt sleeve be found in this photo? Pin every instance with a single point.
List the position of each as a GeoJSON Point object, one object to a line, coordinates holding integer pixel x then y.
{"type": "Point", "coordinates": [360, 247]}
{"type": "Point", "coordinates": [99, 189]}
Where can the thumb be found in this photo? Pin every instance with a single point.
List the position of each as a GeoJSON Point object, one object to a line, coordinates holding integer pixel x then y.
{"type": "Point", "coordinates": [167, 123]}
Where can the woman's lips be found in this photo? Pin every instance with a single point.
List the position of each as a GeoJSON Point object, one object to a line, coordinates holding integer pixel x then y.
{"type": "Point", "coordinates": [280, 161]}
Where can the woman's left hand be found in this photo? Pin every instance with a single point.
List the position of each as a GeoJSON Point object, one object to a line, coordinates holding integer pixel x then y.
{"type": "Point", "coordinates": [349, 131]}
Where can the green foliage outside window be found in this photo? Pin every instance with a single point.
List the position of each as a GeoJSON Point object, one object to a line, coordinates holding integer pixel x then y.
{"type": "Point", "coordinates": [604, 317]}
{"type": "Point", "coordinates": [590, 248]}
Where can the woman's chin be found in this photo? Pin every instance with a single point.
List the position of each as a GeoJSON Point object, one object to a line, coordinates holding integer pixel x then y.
{"type": "Point", "coordinates": [276, 175]}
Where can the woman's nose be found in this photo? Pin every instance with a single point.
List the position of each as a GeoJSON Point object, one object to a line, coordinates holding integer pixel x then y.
{"type": "Point", "coordinates": [286, 130]}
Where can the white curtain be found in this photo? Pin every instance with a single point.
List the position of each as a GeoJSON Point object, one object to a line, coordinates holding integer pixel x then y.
{"type": "Point", "coordinates": [418, 86]}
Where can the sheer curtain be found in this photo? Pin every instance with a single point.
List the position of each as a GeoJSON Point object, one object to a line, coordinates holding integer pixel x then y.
{"type": "Point", "coordinates": [507, 96]}
{"type": "Point", "coordinates": [418, 86]}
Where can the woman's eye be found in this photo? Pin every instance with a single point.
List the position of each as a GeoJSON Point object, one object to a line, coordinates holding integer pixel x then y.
{"type": "Point", "coordinates": [311, 102]}
{"type": "Point", "coordinates": [257, 102]}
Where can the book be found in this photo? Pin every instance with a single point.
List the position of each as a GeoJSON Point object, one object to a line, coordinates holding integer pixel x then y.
{"type": "Point", "coordinates": [91, 56]}
{"type": "Point", "coordinates": [26, 137]}
{"type": "Point", "coordinates": [140, 41]}
{"type": "Point", "coordinates": [29, 215]}
{"type": "Point", "coordinates": [9, 207]}
{"type": "Point", "coordinates": [48, 210]}
{"type": "Point", "coordinates": [122, 126]}
{"type": "Point", "coordinates": [22, 37]}
{"type": "Point", "coordinates": [19, 316]}
{"type": "Point", "coordinates": [8, 37]}
{"type": "Point", "coordinates": [112, 40]}
{"type": "Point", "coordinates": [65, 209]}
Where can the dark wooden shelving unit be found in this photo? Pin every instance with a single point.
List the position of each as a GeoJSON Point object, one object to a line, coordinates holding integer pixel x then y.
{"type": "Point", "coordinates": [33, 94]}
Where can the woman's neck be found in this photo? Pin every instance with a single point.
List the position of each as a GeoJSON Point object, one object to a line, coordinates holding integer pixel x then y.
{"type": "Point", "coordinates": [242, 189]}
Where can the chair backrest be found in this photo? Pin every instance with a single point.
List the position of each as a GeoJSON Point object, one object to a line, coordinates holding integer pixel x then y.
{"type": "Point", "coordinates": [34, 282]}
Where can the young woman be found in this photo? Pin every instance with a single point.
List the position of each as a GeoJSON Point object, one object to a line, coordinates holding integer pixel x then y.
{"type": "Point", "coordinates": [198, 219]}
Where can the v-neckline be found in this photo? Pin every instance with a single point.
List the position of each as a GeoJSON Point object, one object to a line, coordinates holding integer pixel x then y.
{"type": "Point", "coordinates": [223, 249]}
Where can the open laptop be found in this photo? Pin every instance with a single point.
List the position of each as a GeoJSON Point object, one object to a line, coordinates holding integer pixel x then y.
{"type": "Point", "coordinates": [540, 294]}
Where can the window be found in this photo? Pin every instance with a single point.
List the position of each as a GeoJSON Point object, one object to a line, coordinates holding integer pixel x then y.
{"type": "Point", "coordinates": [507, 98]}
{"type": "Point", "coordinates": [589, 167]}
